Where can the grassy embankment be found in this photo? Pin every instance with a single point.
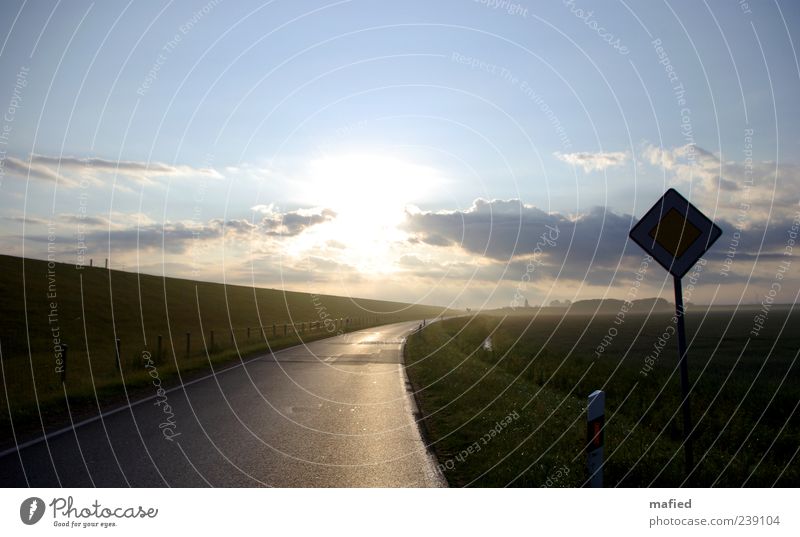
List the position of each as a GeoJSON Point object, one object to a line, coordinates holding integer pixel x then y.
{"type": "Point", "coordinates": [544, 367]}
{"type": "Point", "coordinates": [92, 307]}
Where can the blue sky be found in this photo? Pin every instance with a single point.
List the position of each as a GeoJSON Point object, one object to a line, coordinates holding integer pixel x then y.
{"type": "Point", "coordinates": [211, 123]}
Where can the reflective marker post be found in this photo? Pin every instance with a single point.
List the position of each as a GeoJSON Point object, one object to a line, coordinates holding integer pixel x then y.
{"type": "Point", "coordinates": [595, 419]}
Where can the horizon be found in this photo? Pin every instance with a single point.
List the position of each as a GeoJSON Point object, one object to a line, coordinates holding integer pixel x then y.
{"type": "Point", "coordinates": [376, 298]}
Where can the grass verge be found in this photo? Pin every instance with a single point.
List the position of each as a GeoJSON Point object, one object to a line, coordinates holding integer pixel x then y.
{"type": "Point", "coordinates": [515, 414]}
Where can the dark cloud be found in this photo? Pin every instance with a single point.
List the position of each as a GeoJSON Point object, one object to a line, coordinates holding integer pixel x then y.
{"type": "Point", "coordinates": [295, 222]}
{"type": "Point", "coordinates": [434, 239]}
{"type": "Point", "coordinates": [178, 237]}
{"type": "Point", "coordinates": [505, 229]}
{"type": "Point", "coordinates": [591, 247]}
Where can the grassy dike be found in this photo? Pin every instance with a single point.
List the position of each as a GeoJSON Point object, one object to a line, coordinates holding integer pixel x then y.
{"type": "Point", "coordinates": [541, 368]}
{"type": "Point", "coordinates": [45, 307]}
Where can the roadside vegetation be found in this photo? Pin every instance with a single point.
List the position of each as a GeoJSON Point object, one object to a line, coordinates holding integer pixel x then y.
{"type": "Point", "coordinates": [543, 366]}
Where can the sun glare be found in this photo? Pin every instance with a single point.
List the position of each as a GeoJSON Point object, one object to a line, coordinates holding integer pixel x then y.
{"type": "Point", "coordinates": [369, 193]}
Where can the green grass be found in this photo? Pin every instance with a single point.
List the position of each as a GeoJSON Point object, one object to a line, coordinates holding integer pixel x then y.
{"type": "Point", "coordinates": [544, 366]}
{"type": "Point", "coordinates": [95, 306]}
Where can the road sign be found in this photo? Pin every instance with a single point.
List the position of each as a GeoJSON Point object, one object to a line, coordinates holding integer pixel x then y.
{"type": "Point", "coordinates": [595, 421]}
{"type": "Point", "coordinates": [675, 233]}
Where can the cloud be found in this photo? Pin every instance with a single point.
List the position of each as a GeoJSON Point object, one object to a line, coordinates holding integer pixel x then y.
{"type": "Point", "coordinates": [132, 232]}
{"type": "Point", "coordinates": [64, 169]}
{"type": "Point", "coordinates": [33, 221]}
{"type": "Point", "coordinates": [434, 239]}
{"type": "Point", "coordinates": [508, 237]}
{"type": "Point", "coordinates": [289, 224]}
{"type": "Point", "coordinates": [591, 162]}
{"type": "Point", "coordinates": [763, 190]}
{"type": "Point", "coordinates": [126, 167]}
{"type": "Point", "coordinates": [35, 170]}
{"type": "Point", "coordinates": [498, 229]}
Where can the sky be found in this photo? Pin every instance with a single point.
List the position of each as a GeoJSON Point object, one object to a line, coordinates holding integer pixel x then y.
{"type": "Point", "coordinates": [468, 153]}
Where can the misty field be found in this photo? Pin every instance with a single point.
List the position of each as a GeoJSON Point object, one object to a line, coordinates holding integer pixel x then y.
{"type": "Point", "coordinates": [512, 411]}
{"type": "Point", "coordinates": [90, 309]}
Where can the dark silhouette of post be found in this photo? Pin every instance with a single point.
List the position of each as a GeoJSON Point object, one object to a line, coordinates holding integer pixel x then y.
{"type": "Point", "coordinates": [119, 353]}
{"type": "Point", "coordinates": [158, 349]}
{"type": "Point", "coordinates": [285, 329]}
{"type": "Point", "coordinates": [211, 347]}
{"type": "Point", "coordinates": [686, 407]}
{"type": "Point", "coordinates": [188, 343]}
{"type": "Point", "coordinates": [248, 332]}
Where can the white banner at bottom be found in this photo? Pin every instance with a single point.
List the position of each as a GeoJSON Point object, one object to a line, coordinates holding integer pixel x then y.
{"type": "Point", "coordinates": [381, 512]}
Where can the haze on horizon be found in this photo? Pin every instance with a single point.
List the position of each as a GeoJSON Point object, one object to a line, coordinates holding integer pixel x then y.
{"type": "Point", "coordinates": [456, 153]}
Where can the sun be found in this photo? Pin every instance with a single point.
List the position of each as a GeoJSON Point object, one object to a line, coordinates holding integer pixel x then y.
{"type": "Point", "coordinates": [369, 193]}
{"type": "Point", "coordinates": [371, 187]}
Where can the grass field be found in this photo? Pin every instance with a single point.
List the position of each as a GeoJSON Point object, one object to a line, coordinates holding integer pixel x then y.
{"type": "Point", "coordinates": [514, 414]}
{"type": "Point", "coordinates": [89, 309]}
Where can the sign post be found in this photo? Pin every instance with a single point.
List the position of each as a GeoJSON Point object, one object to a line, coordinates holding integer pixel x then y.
{"type": "Point", "coordinates": [595, 421]}
{"type": "Point", "coordinates": [676, 234]}
{"type": "Point", "coordinates": [685, 407]}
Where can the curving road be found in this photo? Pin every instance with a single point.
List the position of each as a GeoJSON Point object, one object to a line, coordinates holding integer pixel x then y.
{"type": "Point", "coordinates": [333, 413]}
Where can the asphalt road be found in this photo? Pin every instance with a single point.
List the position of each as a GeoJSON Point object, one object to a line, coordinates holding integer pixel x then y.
{"type": "Point", "coordinates": [334, 413]}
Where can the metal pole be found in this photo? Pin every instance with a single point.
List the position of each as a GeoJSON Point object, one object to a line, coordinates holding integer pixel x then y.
{"type": "Point", "coordinates": [687, 411]}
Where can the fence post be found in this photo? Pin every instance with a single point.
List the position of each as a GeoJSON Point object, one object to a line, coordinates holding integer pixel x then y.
{"type": "Point", "coordinates": [248, 332]}
{"type": "Point", "coordinates": [158, 350]}
{"type": "Point", "coordinates": [274, 332]}
{"type": "Point", "coordinates": [188, 343]}
{"type": "Point", "coordinates": [285, 329]}
{"type": "Point", "coordinates": [64, 365]}
{"type": "Point", "coordinates": [119, 352]}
